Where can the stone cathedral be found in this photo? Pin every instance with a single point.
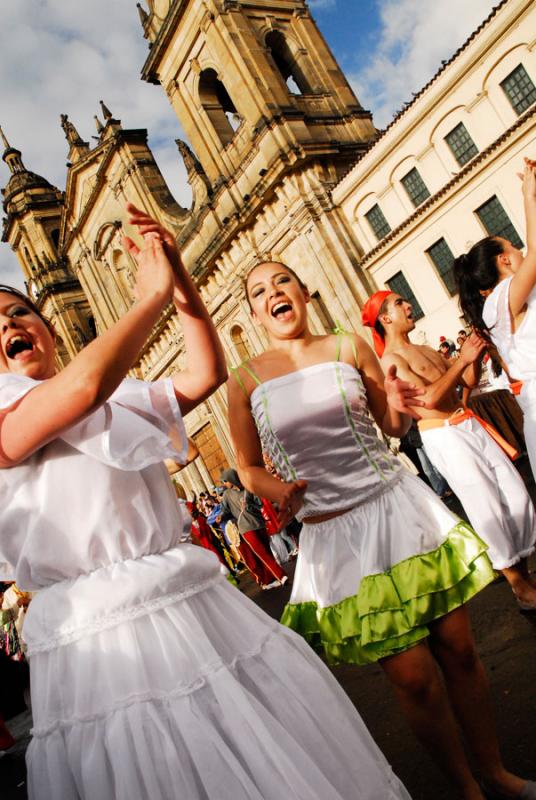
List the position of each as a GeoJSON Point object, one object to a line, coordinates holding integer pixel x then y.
{"type": "Point", "coordinates": [272, 125]}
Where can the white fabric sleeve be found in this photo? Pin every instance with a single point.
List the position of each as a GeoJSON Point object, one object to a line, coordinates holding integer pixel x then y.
{"type": "Point", "coordinates": [139, 425]}
{"type": "Point", "coordinates": [13, 388]}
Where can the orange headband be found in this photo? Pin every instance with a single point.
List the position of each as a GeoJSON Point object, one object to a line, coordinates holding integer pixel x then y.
{"type": "Point", "coordinates": [369, 315]}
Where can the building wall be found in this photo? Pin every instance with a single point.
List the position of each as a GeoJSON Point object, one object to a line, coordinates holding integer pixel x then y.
{"type": "Point", "coordinates": [467, 90]}
{"type": "Point", "coordinates": [274, 190]}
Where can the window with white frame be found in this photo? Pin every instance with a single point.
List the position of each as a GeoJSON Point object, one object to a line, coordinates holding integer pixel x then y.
{"type": "Point", "coordinates": [376, 219]}
{"type": "Point", "coordinates": [443, 259]}
{"type": "Point", "coordinates": [519, 89]}
{"type": "Point", "coordinates": [461, 144]}
{"type": "Point", "coordinates": [415, 187]}
{"type": "Point", "coordinates": [497, 222]}
{"type": "Point", "coordinates": [399, 285]}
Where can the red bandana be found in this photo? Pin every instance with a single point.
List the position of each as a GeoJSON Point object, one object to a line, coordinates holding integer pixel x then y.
{"type": "Point", "coordinates": [369, 315]}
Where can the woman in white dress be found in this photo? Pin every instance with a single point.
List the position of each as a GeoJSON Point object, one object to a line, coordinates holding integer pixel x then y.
{"type": "Point", "coordinates": [384, 568]}
{"type": "Point", "coordinates": [496, 285]}
{"type": "Point", "coordinates": [152, 678]}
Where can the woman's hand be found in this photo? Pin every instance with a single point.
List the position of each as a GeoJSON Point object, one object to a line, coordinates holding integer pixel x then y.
{"type": "Point", "coordinates": [147, 224]}
{"type": "Point", "coordinates": [472, 348]}
{"type": "Point", "coordinates": [401, 396]}
{"type": "Point", "coordinates": [528, 181]}
{"type": "Point", "coordinates": [155, 274]}
{"type": "Point", "coordinates": [290, 500]}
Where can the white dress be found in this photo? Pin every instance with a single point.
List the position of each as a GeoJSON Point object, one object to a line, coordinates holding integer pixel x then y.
{"type": "Point", "coordinates": [518, 351]}
{"type": "Point", "coordinates": [153, 678]}
{"type": "Point", "coordinates": [369, 582]}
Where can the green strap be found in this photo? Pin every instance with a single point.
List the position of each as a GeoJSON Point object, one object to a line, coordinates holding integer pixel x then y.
{"type": "Point", "coordinates": [249, 372]}
{"type": "Point", "coordinates": [239, 380]}
{"type": "Point", "coordinates": [339, 345]}
{"type": "Point", "coordinates": [236, 373]}
{"type": "Point", "coordinates": [340, 335]}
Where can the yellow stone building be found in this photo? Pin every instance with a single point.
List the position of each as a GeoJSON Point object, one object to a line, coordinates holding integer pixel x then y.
{"type": "Point", "coordinates": [286, 165]}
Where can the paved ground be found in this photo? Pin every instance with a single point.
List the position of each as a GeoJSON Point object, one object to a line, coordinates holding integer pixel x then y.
{"type": "Point", "coordinates": [507, 643]}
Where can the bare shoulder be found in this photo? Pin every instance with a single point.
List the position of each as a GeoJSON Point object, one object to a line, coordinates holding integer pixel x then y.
{"type": "Point", "coordinates": [354, 349]}
{"type": "Point", "coordinates": [394, 357]}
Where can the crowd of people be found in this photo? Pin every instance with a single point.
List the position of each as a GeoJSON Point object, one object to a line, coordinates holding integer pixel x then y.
{"type": "Point", "coordinates": [173, 683]}
{"type": "Point", "coordinates": [243, 531]}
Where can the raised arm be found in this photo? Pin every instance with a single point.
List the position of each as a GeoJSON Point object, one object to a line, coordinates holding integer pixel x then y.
{"type": "Point", "coordinates": [66, 398]}
{"type": "Point", "coordinates": [524, 279]}
{"type": "Point", "coordinates": [434, 392]}
{"type": "Point", "coordinates": [205, 368]}
{"type": "Point", "coordinates": [249, 461]}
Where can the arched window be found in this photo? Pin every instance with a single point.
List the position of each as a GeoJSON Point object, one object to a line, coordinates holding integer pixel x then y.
{"type": "Point", "coordinates": [218, 105]}
{"type": "Point", "coordinates": [240, 343]}
{"type": "Point", "coordinates": [124, 274]}
{"type": "Point", "coordinates": [92, 326]}
{"type": "Point", "coordinates": [55, 236]}
{"type": "Point", "coordinates": [286, 63]}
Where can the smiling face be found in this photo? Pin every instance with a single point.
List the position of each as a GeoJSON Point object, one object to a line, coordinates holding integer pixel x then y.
{"type": "Point", "coordinates": [26, 342]}
{"type": "Point", "coordinates": [398, 315]}
{"type": "Point", "coordinates": [278, 300]}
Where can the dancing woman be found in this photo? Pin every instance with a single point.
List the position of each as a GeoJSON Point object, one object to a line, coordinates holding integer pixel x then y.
{"type": "Point", "coordinates": [496, 285]}
{"type": "Point", "coordinates": [152, 678]}
{"type": "Point", "coordinates": [384, 568]}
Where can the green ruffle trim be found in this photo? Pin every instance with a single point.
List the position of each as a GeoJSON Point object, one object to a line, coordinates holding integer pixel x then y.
{"type": "Point", "coordinates": [391, 610]}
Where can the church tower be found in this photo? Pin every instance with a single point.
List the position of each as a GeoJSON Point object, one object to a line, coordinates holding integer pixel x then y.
{"type": "Point", "coordinates": [272, 124]}
{"type": "Point", "coordinates": [269, 113]}
{"type": "Point", "coordinates": [32, 225]}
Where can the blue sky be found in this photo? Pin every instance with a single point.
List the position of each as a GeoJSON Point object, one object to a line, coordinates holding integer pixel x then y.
{"type": "Point", "coordinates": [63, 56]}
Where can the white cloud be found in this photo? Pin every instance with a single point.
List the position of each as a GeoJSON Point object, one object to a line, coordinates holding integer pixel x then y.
{"type": "Point", "coordinates": [63, 57]}
{"type": "Point", "coordinates": [414, 38]}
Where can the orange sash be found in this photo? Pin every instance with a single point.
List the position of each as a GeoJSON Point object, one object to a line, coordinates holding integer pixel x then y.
{"type": "Point", "coordinates": [460, 416]}
{"type": "Point", "coordinates": [515, 387]}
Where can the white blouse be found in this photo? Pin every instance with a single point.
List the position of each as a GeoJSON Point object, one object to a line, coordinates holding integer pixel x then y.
{"type": "Point", "coordinates": [518, 350]}
{"type": "Point", "coordinates": [97, 494]}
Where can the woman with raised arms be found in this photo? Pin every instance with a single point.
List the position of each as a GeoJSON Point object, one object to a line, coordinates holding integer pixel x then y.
{"type": "Point", "coordinates": [497, 291]}
{"type": "Point", "coordinates": [384, 568]}
{"type": "Point", "coordinates": [152, 677]}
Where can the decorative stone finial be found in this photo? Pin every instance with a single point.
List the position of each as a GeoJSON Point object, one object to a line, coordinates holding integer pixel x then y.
{"type": "Point", "coordinates": [106, 113]}
{"type": "Point", "coordinates": [4, 140]}
{"type": "Point", "coordinates": [71, 134]}
{"type": "Point", "coordinates": [144, 16]}
{"type": "Point", "coordinates": [98, 124]}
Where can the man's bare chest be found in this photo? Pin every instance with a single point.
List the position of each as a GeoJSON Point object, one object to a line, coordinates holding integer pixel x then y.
{"type": "Point", "coordinates": [425, 363]}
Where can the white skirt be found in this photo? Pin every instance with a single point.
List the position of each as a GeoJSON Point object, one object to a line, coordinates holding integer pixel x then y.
{"type": "Point", "coordinates": [369, 582]}
{"type": "Point", "coordinates": [171, 690]}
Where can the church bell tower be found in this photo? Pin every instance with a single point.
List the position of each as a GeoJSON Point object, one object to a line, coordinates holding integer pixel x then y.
{"type": "Point", "coordinates": [32, 227]}
{"type": "Point", "coordinates": [259, 95]}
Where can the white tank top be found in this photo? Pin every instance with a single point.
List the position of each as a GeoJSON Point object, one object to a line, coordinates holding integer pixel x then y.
{"type": "Point", "coordinates": [314, 424]}
{"type": "Point", "coordinates": [518, 350]}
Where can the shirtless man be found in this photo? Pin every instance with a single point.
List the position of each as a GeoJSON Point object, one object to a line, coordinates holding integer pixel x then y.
{"type": "Point", "coordinates": [489, 487]}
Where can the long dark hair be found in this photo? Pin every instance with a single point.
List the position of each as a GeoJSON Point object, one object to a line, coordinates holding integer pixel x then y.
{"type": "Point", "coordinates": [27, 302]}
{"type": "Point", "coordinates": [475, 272]}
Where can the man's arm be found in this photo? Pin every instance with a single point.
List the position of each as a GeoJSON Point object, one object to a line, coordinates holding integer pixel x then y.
{"type": "Point", "coordinates": [438, 390]}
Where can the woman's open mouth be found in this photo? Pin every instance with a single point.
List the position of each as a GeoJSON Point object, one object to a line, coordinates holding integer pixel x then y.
{"type": "Point", "coordinates": [17, 346]}
{"type": "Point", "coordinates": [282, 310]}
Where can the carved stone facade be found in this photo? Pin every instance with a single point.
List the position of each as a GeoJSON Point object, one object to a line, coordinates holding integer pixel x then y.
{"type": "Point", "coordinates": [273, 125]}
{"type": "Point", "coordinates": [283, 163]}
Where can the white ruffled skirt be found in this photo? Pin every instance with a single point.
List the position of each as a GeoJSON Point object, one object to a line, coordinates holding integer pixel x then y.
{"type": "Point", "coordinates": [155, 679]}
